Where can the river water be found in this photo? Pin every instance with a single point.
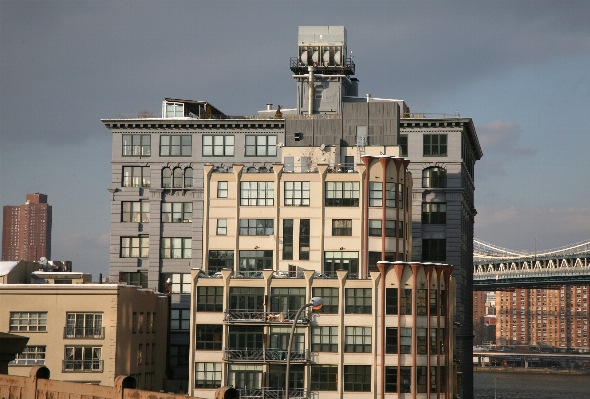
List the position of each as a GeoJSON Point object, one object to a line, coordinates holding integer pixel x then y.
{"type": "Point", "coordinates": [530, 386]}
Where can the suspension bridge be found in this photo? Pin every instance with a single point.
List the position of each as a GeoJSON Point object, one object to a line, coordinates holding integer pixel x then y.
{"type": "Point", "coordinates": [496, 268]}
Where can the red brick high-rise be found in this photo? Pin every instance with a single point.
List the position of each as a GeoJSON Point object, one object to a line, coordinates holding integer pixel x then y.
{"type": "Point", "coordinates": [26, 231]}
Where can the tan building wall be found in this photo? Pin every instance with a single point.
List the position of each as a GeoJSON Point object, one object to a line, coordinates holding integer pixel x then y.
{"type": "Point", "coordinates": [118, 330]}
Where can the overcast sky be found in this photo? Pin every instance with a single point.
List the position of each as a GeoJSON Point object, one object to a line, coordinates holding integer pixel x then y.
{"type": "Point", "coordinates": [520, 69]}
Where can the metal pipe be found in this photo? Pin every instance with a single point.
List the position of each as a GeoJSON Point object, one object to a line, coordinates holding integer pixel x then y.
{"type": "Point", "coordinates": [311, 70]}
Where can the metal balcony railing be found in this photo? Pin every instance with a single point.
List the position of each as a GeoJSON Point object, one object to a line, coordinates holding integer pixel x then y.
{"type": "Point", "coordinates": [82, 366]}
{"type": "Point", "coordinates": [271, 393]}
{"type": "Point", "coordinates": [84, 332]}
{"type": "Point", "coordinates": [249, 316]}
{"type": "Point", "coordinates": [265, 355]}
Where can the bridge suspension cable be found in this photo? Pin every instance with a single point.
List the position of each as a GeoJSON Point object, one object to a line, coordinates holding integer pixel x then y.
{"type": "Point", "coordinates": [484, 250]}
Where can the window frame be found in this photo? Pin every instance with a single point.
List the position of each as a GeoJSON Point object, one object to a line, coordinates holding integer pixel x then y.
{"type": "Point", "coordinates": [178, 209]}
{"type": "Point", "coordinates": [357, 378]}
{"type": "Point", "coordinates": [222, 257]}
{"type": "Point", "coordinates": [324, 377]}
{"type": "Point", "coordinates": [132, 149]}
{"type": "Point", "coordinates": [358, 339]}
{"type": "Point", "coordinates": [209, 299]}
{"type": "Point", "coordinates": [434, 212]}
{"type": "Point", "coordinates": [168, 149]}
{"type": "Point", "coordinates": [30, 356]}
{"type": "Point", "coordinates": [434, 249]}
{"type": "Point", "coordinates": [256, 227]}
{"type": "Point", "coordinates": [131, 215]}
{"type": "Point", "coordinates": [434, 145]}
{"type": "Point", "coordinates": [180, 283]}
{"type": "Point", "coordinates": [207, 375]}
{"type": "Point", "coordinates": [39, 326]}
{"type": "Point", "coordinates": [227, 148]}
{"type": "Point", "coordinates": [130, 178]}
{"type": "Point", "coordinates": [222, 189]}
{"type": "Point", "coordinates": [331, 299]}
{"type": "Point", "coordinates": [221, 227]}
{"type": "Point", "coordinates": [169, 247]}
{"type": "Point", "coordinates": [260, 145]}
{"type": "Point", "coordinates": [304, 238]}
{"type": "Point", "coordinates": [434, 177]}
{"type": "Point", "coordinates": [139, 243]}
{"type": "Point", "coordinates": [342, 227]}
{"type": "Point", "coordinates": [342, 193]}
{"type": "Point", "coordinates": [358, 301]}
{"type": "Point", "coordinates": [180, 319]}
{"type": "Point", "coordinates": [324, 339]}
{"type": "Point", "coordinates": [296, 193]}
{"type": "Point", "coordinates": [250, 193]}
{"type": "Point", "coordinates": [209, 337]}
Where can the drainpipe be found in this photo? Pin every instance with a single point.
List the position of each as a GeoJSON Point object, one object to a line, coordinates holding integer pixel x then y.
{"type": "Point", "coordinates": [311, 90]}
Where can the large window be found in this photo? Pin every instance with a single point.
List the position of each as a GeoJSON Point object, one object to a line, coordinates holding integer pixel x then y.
{"type": "Point", "coordinates": [391, 340]}
{"type": "Point", "coordinates": [31, 355]}
{"type": "Point", "coordinates": [138, 278]}
{"type": "Point", "coordinates": [28, 321]}
{"type": "Point", "coordinates": [176, 248]}
{"type": "Point", "coordinates": [391, 379]}
{"type": "Point", "coordinates": [209, 336]}
{"type": "Point", "coordinates": [403, 145]}
{"type": "Point", "coordinates": [406, 340]}
{"type": "Point", "coordinates": [331, 299]}
{"type": "Point", "coordinates": [341, 227]}
{"type": "Point", "coordinates": [391, 301]}
{"type": "Point", "coordinates": [136, 211]}
{"type": "Point", "coordinates": [286, 299]}
{"type": "Point", "coordinates": [177, 212]}
{"type": "Point", "coordinates": [83, 358]}
{"type": "Point", "coordinates": [324, 339]}
{"type": "Point", "coordinates": [252, 261]}
{"type": "Point", "coordinates": [207, 375]}
{"type": "Point", "coordinates": [434, 250]}
{"type": "Point", "coordinates": [434, 177]}
{"type": "Point", "coordinates": [357, 339]}
{"type": "Point", "coordinates": [180, 283]}
{"type": "Point", "coordinates": [246, 298]}
{"type": "Point", "coordinates": [256, 227]}
{"type": "Point", "coordinates": [421, 303]}
{"type": "Point", "coordinates": [261, 146]}
{"type": "Point", "coordinates": [242, 337]}
{"type": "Point", "coordinates": [406, 302]}
{"type": "Point", "coordinates": [336, 260]}
{"type": "Point", "coordinates": [357, 378]}
{"type": "Point", "coordinates": [175, 146]}
{"type": "Point", "coordinates": [342, 193]}
{"type": "Point", "coordinates": [358, 300]}
{"type": "Point", "coordinates": [84, 325]}
{"type": "Point", "coordinates": [180, 319]}
{"type": "Point", "coordinates": [304, 239]}
{"type": "Point", "coordinates": [297, 193]}
{"type": "Point", "coordinates": [218, 146]}
{"type": "Point", "coordinates": [375, 228]}
{"type": "Point", "coordinates": [287, 239]}
{"type": "Point", "coordinates": [406, 379]}
{"type": "Point", "coordinates": [256, 193]}
{"type": "Point", "coordinates": [177, 177]}
{"type": "Point", "coordinates": [136, 145]}
{"type": "Point", "coordinates": [324, 377]}
{"type": "Point", "coordinates": [434, 212]}
{"type": "Point", "coordinates": [435, 145]}
{"type": "Point", "coordinates": [421, 341]}
{"type": "Point", "coordinates": [209, 299]}
{"type": "Point", "coordinates": [136, 176]}
{"type": "Point", "coordinates": [135, 247]}
{"type": "Point", "coordinates": [421, 378]}
{"type": "Point", "coordinates": [218, 260]}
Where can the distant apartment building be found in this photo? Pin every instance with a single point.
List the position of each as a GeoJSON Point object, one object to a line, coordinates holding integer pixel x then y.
{"type": "Point", "coordinates": [553, 317]}
{"type": "Point", "coordinates": [88, 333]}
{"type": "Point", "coordinates": [26, 230]}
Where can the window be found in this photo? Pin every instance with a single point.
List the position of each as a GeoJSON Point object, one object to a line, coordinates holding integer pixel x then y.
{"type": "Point", "coordinates": [140, 354]}
{"type": "Point", "coordinates": [174, 110]}
{"type": "Point", "coordinates": [391, 379]}
{"type": "Point", "coordinates": [177, 212]}
{"type": "Point", "coordinates": [357, 378]}
{"type": "Point", "coordinates": [433, 341]}
{"type": "Point", "coordinates": [221, 189]}
{"type": "Point", "coordinates": [218, 260]}
{"type": "Point", "coordinates": [166, 178]}
{"type": "Point", "coordinates": [358, 300]}
{"type": "Point", "coordinates": [433, 303]}
{"type": "Point", "coordinates": [391, 301]}
{"type": "Point", "coordinates": [179, 355]}
{"type": "Point", "coordinates": [342, 193]}
{"type": "Point", "coordinates": [434, 177]}
{"type": "Point", "coordinates": [246, 298]}
{"type": "Point", "coordinates": [324, 339]}
{"type": "Point", "coordinates": [221, 227]}
{"type": "Point", "coordinates": [375, 194]}
{"type": "Point", "coordinates": [180, 282]}
{"type": "Point", "coordinates": [421, 378]}
{"type": "Point", "coordinates": [400, 230]}
{"type": "Point", "coordinates": [188, 177]}
{"type": "Point", "coordinates": [297, 193]}
{"type": "Point", "coordinates": [390, 193]}
{"type": "Point", "coordinates": [83, 358]}
{"type": "Point", "coordinates": [136, 145]}
{"type": "Point", "coordinates": [256, 227]}
{"type": "Point", "coordinates": [357, 339]}
{"type": "Point", "coordinates": [151, 326]}
{"type": "Point", "coordinates": [324, 377]}
{"type": "Point", "coordinates": [435, 145]}
{"type": "Point", "coordinates": [134, 247]}
{"type": "Point", "coordinates": [175, 146]}
{"type": "Point", "coordinates": [390, 228]}
{"type": "Point", "coordinates": [207, 375]}
{"type": "Point", "coordinates": [422, 341]}
{"type": "Point", "coordinates": [406, 340]}
{"type": "Point", "coordinates": [136, 176]}
{"type": "Point", "coordinates": [403, 145]}
{"type": "Point", "coordinates": [434, 250]}
{"type": "Point", "coordinates": [136, 212]}
{"type": "Point", "coordinates": [341, 227]}
{"type": "Point", "coordinates": [241, 337]}
{"type": "Point", "coordinates": [421, 302]}
{"type": "Point", "coordinates": [256, 193]}
{"type": "Point", "coordinates": [255, 260]}
{"type": "Point", "coordinates": [406, 379]}
{"type": "Point", "coordinates": [209, 336]}
{"type": "Point", "coordinates": [245, 376]}
{"type": "Point", "coordinates": [209, 299]}
{"type": "Point", "coordinates": [28, 321]}
{"type": "Point", "coordinates": [304, 239]}
{"type": "Point", "coordinates": [31, 355]}
{"type": "Point", "coordinates": [179, 319]}
{"type": "Point", "coordinates": [218, 146]}
{"type": "Point", "coordinates": [84, 325]}
{"type": "Point", "coordinates": [261, 146]}
{"type": "Point", "coordinates": [391, 340]}
{"type": "Point", "coordinates": [334, 261]}
{"type": "Point", "coordinates": [406, 302]}
{"type": "Point", "coordinates": [287, 300]}
{"type": "Point", "coordinates": [287, 239]}
{"type": "Point", "coordinates": [176, 248]}
{"type": "Point", "coordinates": [134, 278]}
{"type": "Point", "coordinates": [331, 299]}
{"type": "Point", "coordinates": [434, 212]}
{"type": "Point", "coordinates": [375, 227]}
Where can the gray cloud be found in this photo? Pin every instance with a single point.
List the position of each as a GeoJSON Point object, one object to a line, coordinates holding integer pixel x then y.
{"type": "Point", "coordinates": [501, 138]}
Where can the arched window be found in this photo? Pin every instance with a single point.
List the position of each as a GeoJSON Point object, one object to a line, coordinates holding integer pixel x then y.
{"type": "Point", "coordinates": [434, 177]}
{"type": "Point", "coordinates": [177, 178]}
{"type": "Point", "coordinates": [188, 177]}
{"type": "Point", "coordinates": [166, 178]}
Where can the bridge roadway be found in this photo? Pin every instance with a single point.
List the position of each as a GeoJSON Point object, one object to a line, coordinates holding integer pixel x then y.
{"type": "Point", "coordinates": [529, 358]}
{"type": "Point", "coordinates": [496, 268]}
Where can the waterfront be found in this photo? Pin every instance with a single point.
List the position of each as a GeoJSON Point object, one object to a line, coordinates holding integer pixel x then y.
{"type": "Point", "coordinates": [530, 386]}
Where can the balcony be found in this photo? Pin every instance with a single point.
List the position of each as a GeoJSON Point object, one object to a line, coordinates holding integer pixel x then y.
{"type": "Point", "coordinates": [84, 332]}
{"type": "Point", "coordinates": [265, 355]}
{"type": "Point", "coordinates": [82, 366]}
{"type": "Point", "coordinates": [271, 393]}
{"type": "Point", "coordinates": [258, 316]}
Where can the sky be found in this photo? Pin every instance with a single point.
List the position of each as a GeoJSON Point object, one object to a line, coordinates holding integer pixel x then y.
{"type": "Point", "coordinates": [519, 69]}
